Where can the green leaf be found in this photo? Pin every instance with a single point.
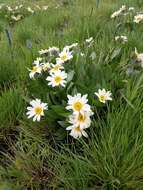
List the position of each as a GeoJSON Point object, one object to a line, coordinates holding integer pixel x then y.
{"type": "Point", "coordinates": [115, 53]}
{"type": "Point", "coordinates": [70, 75]}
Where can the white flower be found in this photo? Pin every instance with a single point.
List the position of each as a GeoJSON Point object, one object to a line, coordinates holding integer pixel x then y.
{"type": "Point", "coordinates": [38, 7]}
{"type": "Point", "coordinates": [131, 8]}
{"type": "Point", "coordinates": [78, 104]}
{"type": "Point", "coordinates": [139, 57]}
{"type": "Point", "coordinates": [82, 54]}
{"type": "Point", "coordinates": [30, 10]}
{"type": "Point", "coordinates": [103, 95]}
{"type": "Point", "coordinates": [57, 78]}
{"type": "Point", "coordinates": [9, 8]}
{"type": "Point", "coordinates": [138, 18]}
{"type": "Point", "coordinates": [82, 120]}
{"type": "Point", "coordinates": [20, 6]}
{"type": "Point", "coordinates": [37, 69]}
{"type": "Point", "coordinates": [89, 40]}
{"type": "Point", "coordinates": [16, 8]}
{"type": "Point", "coordinates": [45, 66]}
{"type": "Point", "coordinates": [123, 8]}
{"type": "Point", "coordinates": [115, 14]}
{"type": "Point", "coordinates": [71, 46]}
{"type": "Point", "coordinates": [119, 12]}
{"type": "Point", "coordinates": [45, 7]}
{"type": "Point", "coordinates": [37, 61]}
{"type": "Point", "coordinates": [53, 49]}
{"type": "Point", "coordinates": [76, 132]}
{"type": "Point", "coordinates": [123, 39]}
{"type": "Point", "coordinates": [56, 67]}
{"type": "Point", "coordinates": [43, 51]}
{"type": "Point", "coordinates": [1, 6]}
{"type": "Point", "coordinates": [36, 110]}
{"type": "Point", "coordinates": [16, 18]}
{"type": "Point", "coordinates": [64, 56]}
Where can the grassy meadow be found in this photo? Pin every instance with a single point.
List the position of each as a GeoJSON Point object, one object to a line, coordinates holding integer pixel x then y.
{"type": "Point", "coordinates": [44, 155]}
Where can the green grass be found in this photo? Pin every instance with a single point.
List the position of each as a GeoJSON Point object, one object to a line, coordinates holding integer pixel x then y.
{"type": "Point", "coordinates": [42, 156]}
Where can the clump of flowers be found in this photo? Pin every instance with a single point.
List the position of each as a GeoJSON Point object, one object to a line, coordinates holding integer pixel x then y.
{"type": "Point", "coordinates": [122, 39]}
{"type": "Point", "coordinates": [52, 63]}
{"type": "Point", "coordinates": [16, 13]}
{"type": "Point", "coordinates": [52, 67]}
{"type": "Point", "coordinates": [80, 119]}
{"type": "Point", "coordinates": [119, 12]}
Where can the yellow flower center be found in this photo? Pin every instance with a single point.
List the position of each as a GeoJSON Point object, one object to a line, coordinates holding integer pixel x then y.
{"type": "Point", "coordinates": [34, 69]}
{"type": "Point", "coordinates": [77, 106]}
{"type": "Point", "coordinates": [77, 129]}
{"type": "Point", "coordinates": [58, 79]}
{"type": "Point", "coordinates": [56, 68]}
{"type": "Point", "coordinates": [138, 18]}
{"type": "Point", "coordinates": [102, 98]}
{"type": "Point", "coordinates": [81, 118]}
{"type": "Point", "coordinates": [64, 57]}
{"type": "Point", "coordinates": [38, 110]}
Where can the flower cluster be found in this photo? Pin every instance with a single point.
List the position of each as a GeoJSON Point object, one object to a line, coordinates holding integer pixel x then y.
{"type": "Point", "coordinates": [52, 62]}
{"type": "Point", "coordinates": [123, 11]}
{"type": "Point", "coordinates": [119, 12]}
{"type": "Point", "coordinates": [18, 12]}
{"type": "Point", "coordinates": [122, 39]}
{"type": "Point", "coordinates": [80, 118]}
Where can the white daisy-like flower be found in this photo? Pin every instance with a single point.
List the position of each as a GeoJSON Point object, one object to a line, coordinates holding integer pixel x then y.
{"type": "Point", "coordinates": [89, 40]}
{"type": "Point", "coordinates": [43, 51]}
{"type": "Point", "coordinates": [1, 6]}
{"type": "Point", "coordinates": [123, 8]}
{"type": "Point", "coordinates": [36, 110]}
{"type": "Point", "coordinates": [30, 10]}
{"type": "Point", "coordinates": [37, 61]}
{"type": "Point", "coordinates": [77, 132]}
{"type": "Point", "coordinates": [131, 8]}
{"type": "Point", "coordinates": [53, 50]}
{"type": "Point", "coordinates": [57, 78]}
{"type": "Point", "coordinates": [82, 54]}
{"type": "Point", "coordinates": [45, 7]}
{"type": "Point", "coordinates": [56, 67]}
{"type": "Point", "coordinates": [16, 18]}
{"type": "Point", "coordinates": [20, 6]}
{"type": "Point", "coordinates": [82, 120]}
{"type": "Point", "coordinates": [46, 66]}
{"type": "Point", "coordinates": [9, 8]}
{"type": "Point", "coordinates": [71, 46]}
{"type": "Point", "coordinates": [37, 69]}
{"type": "Point", "coordinates": [103, 95]}
{"type": "Point", "coordinates": [119, 12]}
{"type": "Point", "coordinates": [78, 104]}
{"type": "Point", "coordinates": [38, 7]}
{"type": "Point", "coordinates": [122, 38]}
{"type": "Point", "coordinates": [138, 18]}
{"type": "Point", "coordinates": [139, 57]}
{"type": "Point", "coordinates": [64, 56]}
{"type": "Point", "coordinates": [16, 7]}
{"type": "Point", "coordinates": [116, 14]}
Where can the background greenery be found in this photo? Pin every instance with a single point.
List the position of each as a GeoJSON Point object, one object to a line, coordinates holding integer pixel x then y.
{"type": "Point", "coordinates": [41, 156]}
